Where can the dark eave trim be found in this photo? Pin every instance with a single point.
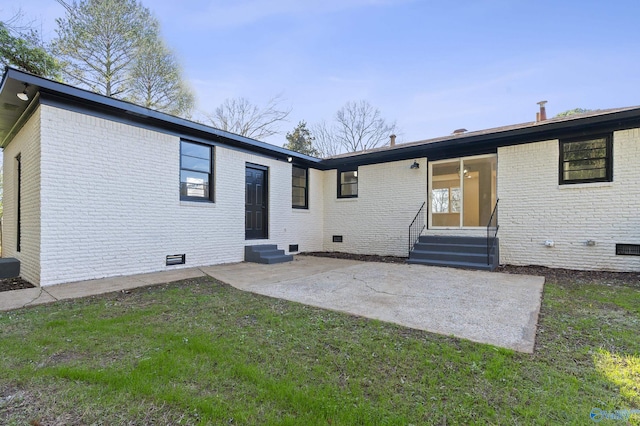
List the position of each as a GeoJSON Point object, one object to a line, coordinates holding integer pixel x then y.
{"type": "Point", "coordinates": [72, 98]}
{"type": "Point", "coordinates": [62, 95]}
{"type": "Point", "coordinates": [490, 142]}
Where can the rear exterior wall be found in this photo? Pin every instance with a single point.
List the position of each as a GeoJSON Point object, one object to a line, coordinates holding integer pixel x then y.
{"type": "Point", "coordinates": [534, 208]}
{"type": "Point", "coordinates": [377, 221]}
{"type": "Point", "coordinates": [111, 204]}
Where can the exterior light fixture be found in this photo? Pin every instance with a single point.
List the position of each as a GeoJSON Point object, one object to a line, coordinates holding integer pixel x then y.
{"type": "Point", "coordinates": [24, 96]}
{"type": "Point", "coordinates": [415, 165]}
{"type": "Point", "coordinates": [289, 159]}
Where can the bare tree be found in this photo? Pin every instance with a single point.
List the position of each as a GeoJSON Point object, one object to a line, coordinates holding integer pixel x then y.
{"type": "Point", "coordinates": [240, 116]}
{"type": "Point", "coordinates": [156, 81]}
{"type": "Point", "coordinates": [325, 142]}
{"type": "Point", "coordinates": [357, 126]}
{"type": "Point", "coordinates": [360, 127]}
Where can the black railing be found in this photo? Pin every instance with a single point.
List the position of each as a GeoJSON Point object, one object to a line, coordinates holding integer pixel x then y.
{"type": "Point", "coordinates": [416, 227]}
{"type": "Point", "coordinates": [492, 232]}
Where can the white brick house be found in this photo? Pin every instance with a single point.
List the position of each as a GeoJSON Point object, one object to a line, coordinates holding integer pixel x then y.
{"type": "Point", "coordinates": [96, 187]}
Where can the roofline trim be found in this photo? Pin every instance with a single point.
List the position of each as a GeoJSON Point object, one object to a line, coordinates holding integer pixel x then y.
{"type": "Point", "coordinates": [146, 113]}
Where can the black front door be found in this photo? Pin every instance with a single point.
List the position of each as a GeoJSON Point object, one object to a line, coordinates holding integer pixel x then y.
{"type": "Point", "coordinates": [255, 216]}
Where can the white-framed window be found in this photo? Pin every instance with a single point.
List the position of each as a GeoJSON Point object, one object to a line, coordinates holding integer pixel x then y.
{"type": "Point", "coordinates": [462, 191]}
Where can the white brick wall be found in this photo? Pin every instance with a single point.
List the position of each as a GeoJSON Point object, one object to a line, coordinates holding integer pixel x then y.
{"type": "Point", "coordinates": [101, 198]}
{"type": "Point", "coordinates": [535, 208]}
{"type": "Point", "coordinates": [111, 205]}
{"type": "Point", "coordinates": [27, 144]}
{"type": "Point", "coordinates": [377, 222]}
{"type": "Point", "coordinates": [306, 226]}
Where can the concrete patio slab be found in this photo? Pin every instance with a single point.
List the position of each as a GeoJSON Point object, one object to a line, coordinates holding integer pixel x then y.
{"type": "Point", "coordinates": [485, 307]}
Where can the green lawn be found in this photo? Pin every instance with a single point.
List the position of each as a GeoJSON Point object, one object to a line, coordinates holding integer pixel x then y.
{"type": "Point", "coordinates": [202, 352]}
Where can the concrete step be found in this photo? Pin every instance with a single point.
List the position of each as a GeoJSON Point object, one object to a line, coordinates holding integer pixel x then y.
{"type": "Point", "coordinates": [260, 247]}
{"type": "Point", "coordinates": [452, 247]}
{"type": "Point", "coordinates": [450, 256]}
{"type": "Point", "coordinates": [265, 253]}
{"type": "Point", "coordinates": [452, 239]}
{"type": "Point", "coordinates": [452, 264]}
{"type": "Point", "coordinates": [455, 251]}
{"type": "Point", "coordinates": [275, 259]}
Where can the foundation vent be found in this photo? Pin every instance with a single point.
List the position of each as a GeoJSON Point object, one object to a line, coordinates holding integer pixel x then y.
{"type": "Point", "coordinates": [337, 238]}
{"type": "Point", "coordinates": [176, 259]}
{"type": "Point", "coordinates": [628, 249]}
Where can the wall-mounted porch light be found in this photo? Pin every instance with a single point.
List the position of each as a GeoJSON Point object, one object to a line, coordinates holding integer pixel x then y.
{"type": "Point", "coordinates": [24, 96]}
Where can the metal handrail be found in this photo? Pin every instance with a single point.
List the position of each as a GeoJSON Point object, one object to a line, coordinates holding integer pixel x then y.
{"type": "Point", "coordinates": [492, 242]}
{"type": "Point", "coordinates": [414, 233]}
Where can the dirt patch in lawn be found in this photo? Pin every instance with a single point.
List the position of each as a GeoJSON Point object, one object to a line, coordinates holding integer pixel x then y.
{"type": "Point", "coordinates": [18, 283]}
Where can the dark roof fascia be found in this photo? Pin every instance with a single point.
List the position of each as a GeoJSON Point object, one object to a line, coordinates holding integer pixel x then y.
{"type": "Point", "coordinates": [63, 95]}
{"type": "Point", "coordinates": [489, 143]}
{"type": "Point", "coordinates": [5, 77]}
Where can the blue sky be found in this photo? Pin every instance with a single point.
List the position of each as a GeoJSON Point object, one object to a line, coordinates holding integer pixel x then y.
{"type": "Point", "coordinates": [433, 66]}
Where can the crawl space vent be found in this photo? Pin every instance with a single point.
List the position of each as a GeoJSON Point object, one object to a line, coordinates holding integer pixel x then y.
{"type": "Point", "coordinates": [628, 249]}
{"type": "Point", "coordinates": [337, 238]}
{"type": "Point", "coordinates": [176, 259]}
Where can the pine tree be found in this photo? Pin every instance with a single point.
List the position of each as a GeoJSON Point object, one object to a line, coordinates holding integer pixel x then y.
{"type": "Point", "coordinates": [301, 140]}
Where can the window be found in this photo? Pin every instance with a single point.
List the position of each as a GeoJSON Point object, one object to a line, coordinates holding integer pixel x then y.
{"type": "Point", "coordinates": [586, 160]}
{"type": "Point", "coordinates": [299, 188]}
{"type": "Point", "coordinates": [445, 200]}
{"type": "Point", "coordinates": [195, 172]}
{"type": "Point", "coordinates": [348, 184]}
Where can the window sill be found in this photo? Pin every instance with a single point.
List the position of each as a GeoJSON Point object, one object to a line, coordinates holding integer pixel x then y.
{"type": "Point", "coordinates": [586, 185]}
{"type": "Point", "coordinates": [205, 204]}
{"type": "Point", "coordinates": [456, 228]}
{"type": "Point", "coordinates": [347, 198]}
{"type": "Point", "coordinates": [300, 209]}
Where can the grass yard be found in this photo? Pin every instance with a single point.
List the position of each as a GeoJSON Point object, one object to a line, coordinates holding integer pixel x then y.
{"type": "Point", "coordinates": [201, 352]}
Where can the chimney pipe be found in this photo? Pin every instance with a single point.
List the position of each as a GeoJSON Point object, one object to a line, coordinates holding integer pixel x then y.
{"type": "Point", "coordinates": [542, 115]}
{"type": "Point", "coordinates": [392, 142]}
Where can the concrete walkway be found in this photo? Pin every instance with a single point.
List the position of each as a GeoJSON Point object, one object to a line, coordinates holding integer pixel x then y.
{"type": "Point", "coordinates": [40, 295]}
{"type": "Point", "coordinates": [499, 309]}
{"type": "Point", "coordinates": [486, 307]}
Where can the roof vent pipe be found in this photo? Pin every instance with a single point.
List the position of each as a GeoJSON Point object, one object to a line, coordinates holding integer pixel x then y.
{"type": "Point", "coordinates": [392, 142]}
{"type": "Point", "coordinates": [542, 115]}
